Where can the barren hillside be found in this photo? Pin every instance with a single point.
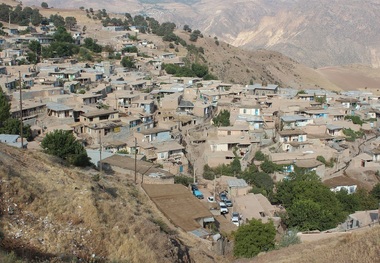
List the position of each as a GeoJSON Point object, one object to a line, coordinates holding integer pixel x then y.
{"type": "Point", "coordinates": [315, 33]}
{"type": "Point", "coordinates": [361, 246]}
{"type": "Point", "coordinates": [59, 213]}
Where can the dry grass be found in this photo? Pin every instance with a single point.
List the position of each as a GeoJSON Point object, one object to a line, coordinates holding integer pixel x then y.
{"type": "Point", "coordinates": [360, 246]}
{"type": "Point", "coordinates": [62, 211]}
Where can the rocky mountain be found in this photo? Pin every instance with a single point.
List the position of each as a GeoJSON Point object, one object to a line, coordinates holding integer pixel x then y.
{"type": "Point", "coordinates": [315, 33]}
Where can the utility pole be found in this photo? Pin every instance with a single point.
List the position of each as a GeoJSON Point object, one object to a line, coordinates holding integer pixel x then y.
{"type": "Point", "coordinates": [193, 174]}
{"type": "Point", "coordinates": [100, 151]}
{"type": "Point", "coordinates": [214, 186]}
{"type": "Point", "coordinates": [21, 124]}
{"type": "Point", "coordinates": [136, 162]}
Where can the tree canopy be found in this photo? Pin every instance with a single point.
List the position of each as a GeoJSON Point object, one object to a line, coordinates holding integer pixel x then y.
{"type": "Point", "coordinates": [253, 238]}
{"type": "Point", "coordinates": [64, 145]}
{"type": "Point", "coordinates": [310, 204]}
{"type": "Point", "coordinates": [223, 119]}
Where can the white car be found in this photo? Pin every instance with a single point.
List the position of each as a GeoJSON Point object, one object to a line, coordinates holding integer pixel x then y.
{"type": "Point", "coordinates": [223, 208]}
{"type": "Point", "coordinates": [235, 218]}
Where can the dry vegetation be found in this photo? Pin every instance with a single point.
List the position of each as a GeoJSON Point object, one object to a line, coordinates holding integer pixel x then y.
{"type": "Point", "coordinates": [56, 212]}
{"type": "Point", "coordinates": [361, 246]}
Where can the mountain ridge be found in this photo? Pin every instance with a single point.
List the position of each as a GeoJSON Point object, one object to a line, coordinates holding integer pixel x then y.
{"type": "Point", "coordinates": [318, 34]}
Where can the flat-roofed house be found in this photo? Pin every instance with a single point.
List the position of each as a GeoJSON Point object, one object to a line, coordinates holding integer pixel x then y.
{"type": "Point", "coordinates": [59, 110]}
{"type": "Point", "coordinates": [154, 134]}
{"type": "Point", "coordinates": [293, 121]}
{"type": "Point", "coordinates": [261, 90]}
{"type": "Point", "coordinates": [287, 137]}
{"type": "Point", "coordinates": [100, 123]}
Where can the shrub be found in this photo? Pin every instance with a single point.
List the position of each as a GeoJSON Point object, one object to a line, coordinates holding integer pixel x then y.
{"type": "Point", "coordinates": [185, 180]}
{"type": "Point", "coordinates": [64, 145]}
{"type": "Point", "coordinates": [289, 238]}
{"type": "Point", "coordinates": [260, 156]}
{"type": "Point", "coordinates": [253, 238]}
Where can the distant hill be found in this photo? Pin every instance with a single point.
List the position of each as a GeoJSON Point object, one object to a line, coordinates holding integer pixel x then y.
{"type": "Point", "coordinates": [315, 33]}
{"type": "Point", "coordinates": [238, 65]}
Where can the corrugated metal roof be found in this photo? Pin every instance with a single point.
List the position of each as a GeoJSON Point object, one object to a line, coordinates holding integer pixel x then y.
{"type": "Point", "coordinates": [237, 183]}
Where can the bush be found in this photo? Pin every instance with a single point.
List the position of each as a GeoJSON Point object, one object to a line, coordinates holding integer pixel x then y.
{"type": "Point", "coordinates": [354, 119]}
{"type": "Point", "coordinates": [260, 156]}
{"type": "Point", "coordinates": [253, 238]}
{"type": "Point", "coordinates": [270, 167]}
{"type": "Point", "coordinates": [185, 180]}
{"type": "Point", "coordinates": [223, 119]}
{"type": "Point", "coordinates": [289, 238]}
{"type": "Point", "coordinates": [64, 145]}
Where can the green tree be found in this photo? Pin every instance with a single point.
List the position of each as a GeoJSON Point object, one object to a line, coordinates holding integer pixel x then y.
{"type": "Point", "coordinates": [185, 180]}
{"type": "Point", "coordinates": [375, 192]}
{"type": "Point", "coordinates": [12, 126]}
{"type": "Point", "coordinates": [306, 215]}
{"type": "Point", "coordinates": [131, 49]}
{"type": "Point", "coordinates": [270, 167]}
{"type": "Point", "coordinates": [64, 145]}
{"type": "Point", "coordinates": [260, 156]}
{"type": "Point", "coordinates": [57, 20]}
{"type": "Point", "coordinates": [301, 187]}
{"type": "Point", "coordinates": [91, 44]}
{"type": "Point", "coordinates": [350, 202]}
{"type": "Point", "coordinates": [5, 107]}
{"type": "Point", "coordinates": [44, 5]}
{"type": "Point", "coordinates": [61, 35]}
{"type": "Point", "coordinates": [223, 119]}
{"type": "Point", "coordinates": [253, 238]}
{"type": "Point", "coordinates": [35, 47]}
{"type": "Point", "coordinates": [187, 28]}
{"type": "Point", "coordinates": [127, 62]}
{"type": "Point", "coordinates": [70, 22]}
{"type": "Point", "coordinates": [199, 70]}
{"type": "Point", "coordinates": [235, 166]}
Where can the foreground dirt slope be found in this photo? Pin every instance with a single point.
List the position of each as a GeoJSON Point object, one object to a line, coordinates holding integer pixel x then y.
{"type": "Point", "coordinates": [59, 213]}
{"type": "Point", "coordinates": [361, 246]}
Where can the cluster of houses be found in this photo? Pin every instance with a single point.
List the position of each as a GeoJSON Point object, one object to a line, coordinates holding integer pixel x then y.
{"type": "Point", "coordinates": [162, 118]}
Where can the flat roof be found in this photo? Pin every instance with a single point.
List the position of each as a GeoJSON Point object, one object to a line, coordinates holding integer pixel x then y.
{"type": "Point", "coordinates": [57, 106]}
{"type": "Point", "coordinates": [92, 114]}
{"type": "Point", "coordinates": [291, 132]}
{"type": "Point", "coordinates": [153, 130]}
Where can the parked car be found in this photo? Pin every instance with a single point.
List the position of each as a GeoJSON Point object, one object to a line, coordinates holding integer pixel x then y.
{"type": "Point", "coordinates": [228, 203]}
{"type": "Point", "coordinates": [223, 197]}
{"type": "Point", "coordinates": [223, 208]}
{"type": "Point", "coordinates": [235, 218]}
{"type": "Point", "coordinates": [194, 187]}
{"type": "Point", "coordinates": [211, 199]}
{"type": "Point", "coordinates": [198, 194]}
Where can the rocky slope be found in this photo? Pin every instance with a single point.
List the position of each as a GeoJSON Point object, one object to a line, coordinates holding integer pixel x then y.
{"type": "Point", "coordinates": [50, 211]}
{"type": "Point", "coordinates": [315, 33]}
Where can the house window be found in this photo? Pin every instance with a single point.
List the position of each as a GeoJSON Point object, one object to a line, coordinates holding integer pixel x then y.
{"type": "Point", "coordinates": [162, 155]}
{"type": "Point", "coordinates": [244, 111]}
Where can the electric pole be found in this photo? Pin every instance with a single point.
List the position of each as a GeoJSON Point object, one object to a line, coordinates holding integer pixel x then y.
{"type": "Point", "coordinates": [21, 124]}
{"type": "Point", "coordinates": [100, 151]}
{"type": "Point", "coordinates": [136, 161]}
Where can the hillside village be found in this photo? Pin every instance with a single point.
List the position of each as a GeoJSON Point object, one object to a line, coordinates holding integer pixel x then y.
{"type": "Point", "coordinates": [154, 127]}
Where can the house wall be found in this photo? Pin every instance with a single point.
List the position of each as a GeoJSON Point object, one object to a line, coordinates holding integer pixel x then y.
{"type": "Point", "coordinates": [219, 147]}
{"type": "Point", "coordinates": [231, 132]}
{"type": "Point", "coordinates": [199, 111]}
{"type": "Point", "coordinates": [62, 114]}
{"type": "Point", "coordinates": [249, 111]}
